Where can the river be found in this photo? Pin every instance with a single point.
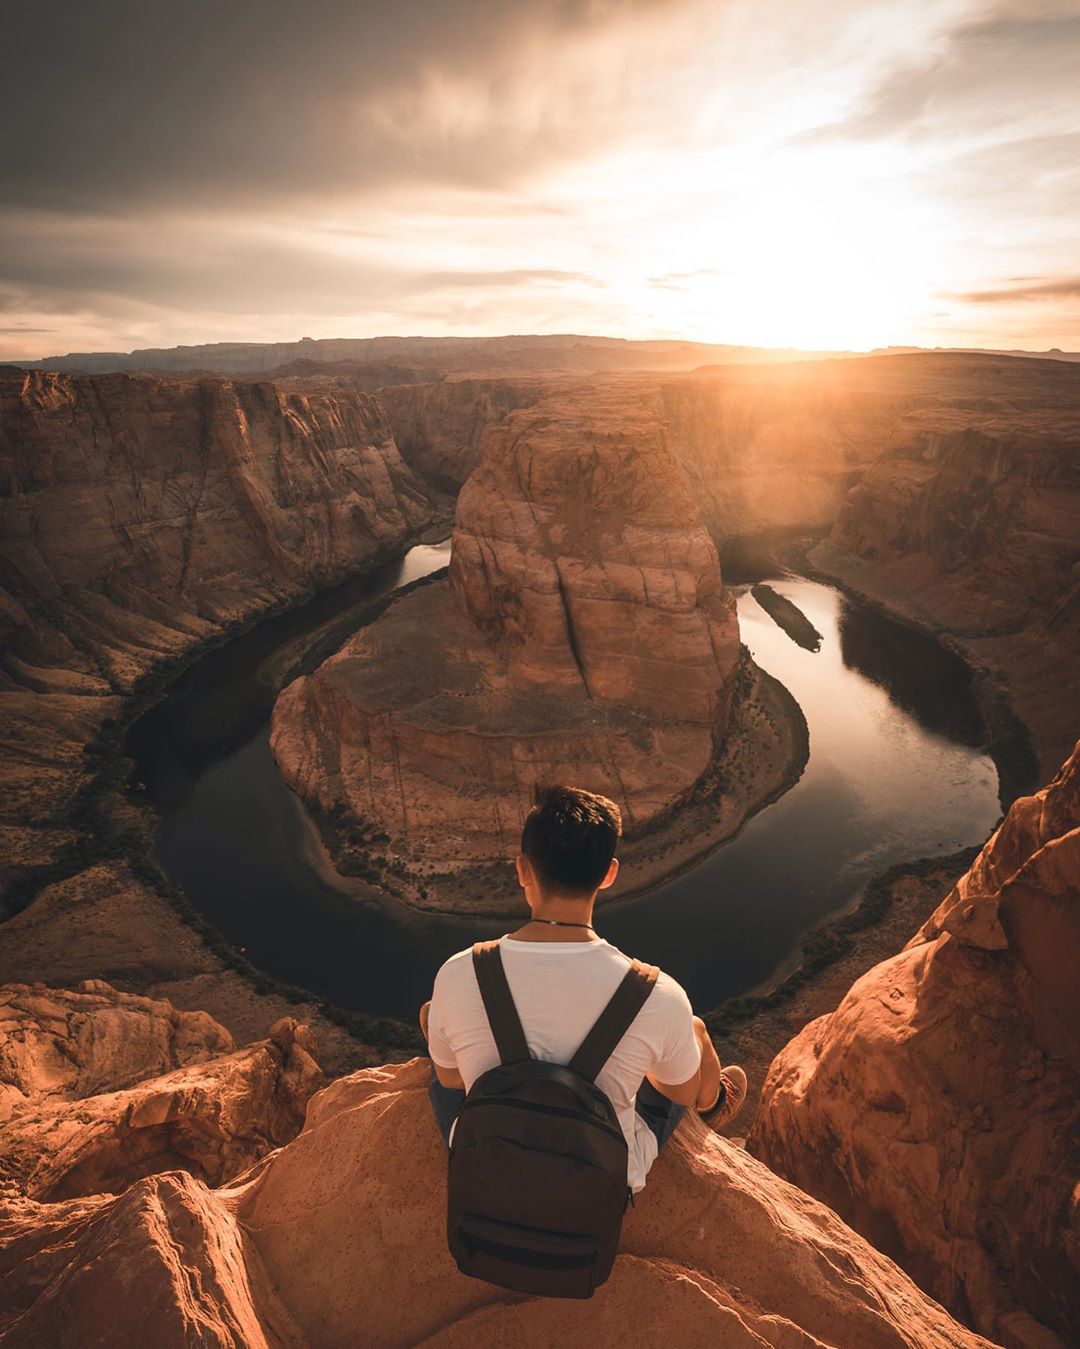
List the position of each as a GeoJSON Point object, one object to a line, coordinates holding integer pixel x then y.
{"type": "Point", "coordinates": [896, 771]}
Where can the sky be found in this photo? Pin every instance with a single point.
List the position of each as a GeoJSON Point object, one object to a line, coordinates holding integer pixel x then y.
{"type": "Point", "coordinates": [835, 174]}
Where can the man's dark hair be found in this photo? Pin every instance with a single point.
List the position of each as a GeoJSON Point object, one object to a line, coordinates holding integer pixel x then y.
{"type": "Point", "coordinates": [570, 837]}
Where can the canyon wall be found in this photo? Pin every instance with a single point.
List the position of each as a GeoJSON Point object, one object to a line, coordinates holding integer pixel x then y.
{"type": "Point", "coordinates": [139, 518]}
{"type": "Point", "coordinates": [440, 428]}
{"type": "Point", "coordinates": [338, 1239]}
{"type": "Point", "coordinates": [951, 487]}
{"type": "Point", "coordinates": [938, 1108]}
{"type": "Point", "coordinates": [584, 634]}
{"type": "Point", "coordinates": [973, 527]}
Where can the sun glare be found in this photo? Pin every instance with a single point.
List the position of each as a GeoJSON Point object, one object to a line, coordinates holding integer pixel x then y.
{"type": "Point", "coordinates": [794, 250]}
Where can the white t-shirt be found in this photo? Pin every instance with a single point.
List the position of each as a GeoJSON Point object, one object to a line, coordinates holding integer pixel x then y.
{"type": "Point", "coordinates": [559, 989]}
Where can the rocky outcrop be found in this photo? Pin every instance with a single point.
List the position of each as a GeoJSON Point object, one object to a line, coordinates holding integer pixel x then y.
{"type": "Point", "coordinates": [584, 634]}
{"type": "Point", "coordinates": [140, 516]}
{"type": "Point", "coordinates": [938, 1108]}
{"type": "Point", "coordinates": [100, 1088]}
{"type": "Point", "coordinates": [140, 513]}
{"type": "Point", "coordinates": [104, 922]}
{"type": "Point", "coordinates": [60, 1045]}
{"type": "Point", "coordinates": [339, 1238]}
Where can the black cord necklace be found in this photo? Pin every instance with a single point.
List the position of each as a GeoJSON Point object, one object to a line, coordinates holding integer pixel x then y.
{"type": "Point", "coordinates": [559, 922]}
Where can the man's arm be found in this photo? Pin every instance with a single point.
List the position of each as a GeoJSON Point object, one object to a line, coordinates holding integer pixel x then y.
{"type": "Point", "coordinates": [702, 1089]}
{"type": "Point", "coordinates": [448, 1077]}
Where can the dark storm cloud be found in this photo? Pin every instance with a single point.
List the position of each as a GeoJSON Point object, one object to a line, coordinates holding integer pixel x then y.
{"type": "Point", "coordinates": [110, 104]}
{"type": "Point", "coordinates": [1024, 290]}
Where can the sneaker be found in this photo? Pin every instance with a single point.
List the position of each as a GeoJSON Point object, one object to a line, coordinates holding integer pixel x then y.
{"type": "Point", "coordinates": [730, 1100]}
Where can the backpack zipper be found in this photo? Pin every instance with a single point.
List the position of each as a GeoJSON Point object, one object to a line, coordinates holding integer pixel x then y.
{"type": "Point", "coordinates": [546, 1110]}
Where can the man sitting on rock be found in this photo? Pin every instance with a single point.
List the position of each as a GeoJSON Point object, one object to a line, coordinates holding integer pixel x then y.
{"type": "Point", "coordinates": [561, 975]}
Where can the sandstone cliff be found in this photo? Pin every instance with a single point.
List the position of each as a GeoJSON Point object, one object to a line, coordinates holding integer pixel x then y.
{"type": "Point", "coordinates": [338, 1239]}
{"type": "Point", "coordinates": [440, 428]}
{"type": "Point", "coordinates": [140, 517]}
{"type": "Point", "coordinates": [938, 1108]}
{"type": "Point", "coordinates": [99, 1088]}
{"type": "Point", "coordinates": [584, 634]}
{"type": "Point", "coordinates": [970, 523]}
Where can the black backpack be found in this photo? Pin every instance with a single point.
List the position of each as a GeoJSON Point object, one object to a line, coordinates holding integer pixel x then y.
{"type": "Point", "coordinates": [537, 1177]}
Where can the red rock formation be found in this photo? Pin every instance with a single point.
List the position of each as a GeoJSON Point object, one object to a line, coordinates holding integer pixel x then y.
{"type": "Point", "coordinates": [154, 509]}
{"type": "Point", "coordinates": [92, 1100]}
{"type": "Point", "coordinates": [970, 522]}
{"type": "Point", "coordinates": [938, 1108]}
{"type": "Point", "coordinates": [338, 1239]}
{"type": "Point", "coordinates": [584, 634]}
{"type": "Point", "coordinates": [63, 1044]}
{"type": "Point", "coordinates": [140, 516]}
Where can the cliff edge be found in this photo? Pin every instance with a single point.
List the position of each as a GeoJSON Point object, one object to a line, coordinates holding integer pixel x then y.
{"type": "Point", "coordinates": [938, 1108]}
{"type": "Point", "coordinates": [338, 1239]}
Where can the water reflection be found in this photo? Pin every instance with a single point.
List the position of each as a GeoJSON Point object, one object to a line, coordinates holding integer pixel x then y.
{"type": "Point", "coordinates": [920, 675]}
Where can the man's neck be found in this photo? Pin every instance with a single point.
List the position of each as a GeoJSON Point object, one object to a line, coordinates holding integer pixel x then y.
{"type": "Point", "coordinates": [559, 920]}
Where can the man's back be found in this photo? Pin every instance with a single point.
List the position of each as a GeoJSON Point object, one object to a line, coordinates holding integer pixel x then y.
{"type": "Point", "coordinates": [559, 989]}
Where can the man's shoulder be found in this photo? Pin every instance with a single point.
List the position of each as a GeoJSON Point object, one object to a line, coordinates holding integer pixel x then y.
{"type": "Point", "coordinates": [670, 994]}
{"type": "Point", "coordinates": [456, 969]}
{"type": "Point", "coordinates": [667, 994]}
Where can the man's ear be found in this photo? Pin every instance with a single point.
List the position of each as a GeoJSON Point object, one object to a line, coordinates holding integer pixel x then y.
{"type": "Point", "coordinates": [521, 862]}
{"type": "Point", "coordinates": [612, 872]}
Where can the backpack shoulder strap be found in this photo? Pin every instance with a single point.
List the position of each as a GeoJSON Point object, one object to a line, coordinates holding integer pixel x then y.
{"type": "Point", "coordinates": [499, 1003]}
{"type": "Point", "coordinates": [615, 1020]}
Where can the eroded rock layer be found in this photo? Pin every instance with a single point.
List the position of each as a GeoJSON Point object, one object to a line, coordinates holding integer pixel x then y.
{"type": "Point", "coordinates": [338, 1238]}
{"type": "Point", "coordinates": [100, 1088]}
{"type": "Point", "coordinates": [139, 517]}
{"type": "Point", "coordinates": [938, 1108]}
{"type": "Point", "coordinates": [977, 532]}
{"type": "Point", "coordinates": [584, 634]}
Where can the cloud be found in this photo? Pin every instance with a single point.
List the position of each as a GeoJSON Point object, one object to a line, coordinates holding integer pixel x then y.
{"type": "Point", "coordinates": [122, 102]}
{"type": "Point", "coordinates": [1065, 288]}
{"type": "Point", "coordinates": [680, 280]}
{"type": "Point", "coordinates": [998, 75]}
{"type": "Point", "coordinates": [257, 168]}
